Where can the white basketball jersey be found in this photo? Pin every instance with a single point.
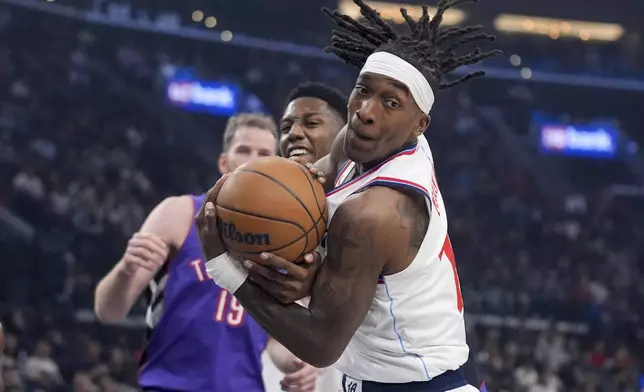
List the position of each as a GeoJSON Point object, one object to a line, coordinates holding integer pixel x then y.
{"type": "Point", "coordinates": [415, 329]}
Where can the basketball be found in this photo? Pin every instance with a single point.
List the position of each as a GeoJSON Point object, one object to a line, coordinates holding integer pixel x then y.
{"type": "Point", "coordinates": [271, 205]}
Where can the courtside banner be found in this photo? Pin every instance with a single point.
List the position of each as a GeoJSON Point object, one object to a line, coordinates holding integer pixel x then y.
{"type": "Point", "coordinates": [578, 140]}
{"type": "Point", "coordinates": [203, 96]}
{"type": "Point", "coordinates": [596, 139]}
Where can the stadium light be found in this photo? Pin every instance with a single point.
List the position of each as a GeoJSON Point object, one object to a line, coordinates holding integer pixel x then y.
{"type": "Point", "coordinates": [556, 28]}
{"type": "Point", "coordinates": [226, 35]}
{"type": "Point", "coordinates": [526, 73]}
{"type": "Point", "coordinates": [197, 16]}
{"type": "Point", "coordinates": [391, 11]}
{"type": "Point", "coordinates": [211, 22]}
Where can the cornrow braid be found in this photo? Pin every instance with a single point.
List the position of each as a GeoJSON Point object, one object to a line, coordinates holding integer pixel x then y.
{"type": "Point", "coordinates": [429, 48]}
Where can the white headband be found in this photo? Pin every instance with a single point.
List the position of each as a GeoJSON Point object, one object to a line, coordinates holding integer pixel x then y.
{"type": "Point", "coordinates": [387, 64]}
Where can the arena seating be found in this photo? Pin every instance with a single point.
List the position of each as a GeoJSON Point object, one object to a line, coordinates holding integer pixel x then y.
{"type": "Point", "coordinates": [88, 145]}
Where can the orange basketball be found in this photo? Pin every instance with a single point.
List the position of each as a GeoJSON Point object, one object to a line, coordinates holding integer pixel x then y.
{"type": "Point", "coordinates": [272, 205]}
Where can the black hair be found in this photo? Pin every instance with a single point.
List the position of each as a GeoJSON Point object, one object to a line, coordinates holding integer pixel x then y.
{"type": "Point", "coordinates": [429, 48]}
{"type": "Point", "coordinates": [332, 96]}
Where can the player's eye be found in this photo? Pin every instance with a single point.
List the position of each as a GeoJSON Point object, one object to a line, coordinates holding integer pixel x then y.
{"type": "Point", "coordinates": [285, 128]}
{"type": "Point", "coordinates": [312, 124]}
{"type": "Point", "coordinates": [391, 103]}
{"type": "Point", "coordinates": [361, 90]}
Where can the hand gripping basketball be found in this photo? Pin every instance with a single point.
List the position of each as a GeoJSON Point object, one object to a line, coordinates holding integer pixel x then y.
{"type": "Point", "coordinates": [206, 220]}
{"type": "Point", "coordinates": [285, 281]}
{"type": "Point", "coordinates": [316, 173]}
{"type": "Point", "coordinates": [271, 205]}
{"type": "Point", "coordinates": [226, 272]}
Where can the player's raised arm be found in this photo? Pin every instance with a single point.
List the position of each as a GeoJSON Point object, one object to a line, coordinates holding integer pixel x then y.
{"type": "Point", "coordinates": [147, 250]}
{"type": "Point", "coordinates": [362, 241]}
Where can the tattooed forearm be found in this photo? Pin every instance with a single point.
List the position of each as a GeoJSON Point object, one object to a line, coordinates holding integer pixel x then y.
{"type": "Point", "coordinates": [341, 295]}
{"type": "Point", "coordinates": [297, 336]}
{"type": "Point", "coordinates": [368, 233]}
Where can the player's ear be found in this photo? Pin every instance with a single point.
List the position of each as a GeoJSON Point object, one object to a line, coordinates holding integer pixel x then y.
{"type": "Point", "coordinates": [423, 123]}
{"type": "Point", "coordinates": [223, 163]}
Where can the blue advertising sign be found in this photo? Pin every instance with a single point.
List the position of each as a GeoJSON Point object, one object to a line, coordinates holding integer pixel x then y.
{"type": "Point", "coordinates": [201, 96]}
{"type": "Point", "coordinates": [590, 140]}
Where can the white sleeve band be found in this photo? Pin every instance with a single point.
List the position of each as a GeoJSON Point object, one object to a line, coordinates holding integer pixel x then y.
{"type": "Point", "coordinates": [227, 272]}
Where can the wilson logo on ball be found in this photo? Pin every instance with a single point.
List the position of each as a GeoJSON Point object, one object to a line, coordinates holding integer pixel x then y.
{"type": "Point", "coordinates": [228, 230]}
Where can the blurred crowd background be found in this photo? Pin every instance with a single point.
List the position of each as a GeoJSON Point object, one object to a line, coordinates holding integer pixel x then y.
{"type": "Point", "coordinates": [108, 106]}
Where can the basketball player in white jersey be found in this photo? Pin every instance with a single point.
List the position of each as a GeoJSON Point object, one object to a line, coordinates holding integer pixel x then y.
{"type": "Point", "coordinates": [386, 307]}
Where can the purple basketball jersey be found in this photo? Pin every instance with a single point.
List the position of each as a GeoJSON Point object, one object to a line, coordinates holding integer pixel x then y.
{"type": "Point", "coordinates": [200, 338]}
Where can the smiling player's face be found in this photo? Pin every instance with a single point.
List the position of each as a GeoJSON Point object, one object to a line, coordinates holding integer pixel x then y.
{"type": "Point", "coordinates": [249, 143]}
{"type": "Point", "coordinates": [307, 129]}
{"type": "Point", "coordinates": [383, 118]}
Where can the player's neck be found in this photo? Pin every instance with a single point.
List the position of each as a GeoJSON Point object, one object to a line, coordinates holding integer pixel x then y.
{"type": "Point", "coordinates": [363, 167]}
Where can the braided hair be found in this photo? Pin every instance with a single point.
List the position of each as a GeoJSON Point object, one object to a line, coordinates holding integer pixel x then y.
{"type": "Point", "coordinates": [429, 48]}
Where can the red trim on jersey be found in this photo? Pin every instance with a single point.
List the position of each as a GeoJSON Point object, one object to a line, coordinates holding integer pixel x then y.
{"type": "Point", "coordinates": [448, 251]}
{"type": "Point", "coordinates": [397, 181]}
{"type": "Point", "coordinates": [408, 151]}
{"type": "Point", "coordinates": [343, 170]}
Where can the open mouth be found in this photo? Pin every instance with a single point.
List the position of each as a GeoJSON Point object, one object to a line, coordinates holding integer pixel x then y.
{"type": "Point", "coordinates": [298, 151]}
